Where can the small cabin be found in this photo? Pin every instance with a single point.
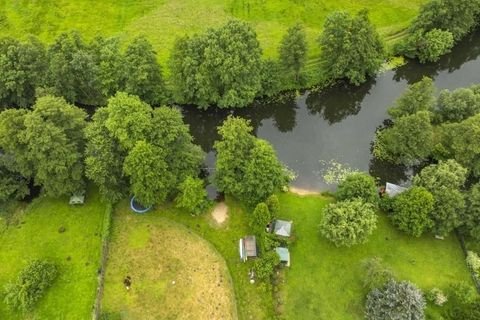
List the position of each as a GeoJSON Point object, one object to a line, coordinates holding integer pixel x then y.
{"type": "Point", "coordinates": [77, 198]}
{"type": "Point", "coordinates": [393, 190]}
{"type": "Point", "coordinates": [284, 255]}
{"type": "Point", "coordinates": [282, 228]}
{"type": "Point", "coordinates": [248, 248]}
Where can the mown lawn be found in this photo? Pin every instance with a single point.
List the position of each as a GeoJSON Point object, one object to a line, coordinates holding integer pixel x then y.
{"type": "Point", "coordinates": [164, 20]}
{"type": "Point", "coordinates": [325, 282]}
{"type": "Point", "coordinates": [175, 274]}
{"type": "Point", "coordinates": [34, 234]}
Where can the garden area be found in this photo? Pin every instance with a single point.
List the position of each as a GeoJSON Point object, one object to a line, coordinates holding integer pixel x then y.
{"type": "Point", "coordinates": [69, 237]}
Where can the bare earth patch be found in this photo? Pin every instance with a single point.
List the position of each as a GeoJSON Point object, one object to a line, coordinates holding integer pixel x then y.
{"type": "Point", "coordinates": [174, 273]}
{"type": "Point", "coordinates": [220, 212]}
{"type": "Point", "coordinates": [303, 192]}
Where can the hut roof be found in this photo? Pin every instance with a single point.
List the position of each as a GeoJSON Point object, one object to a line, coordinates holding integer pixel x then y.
{"type": "Point", "coordinates": [284, 255]}
{"type": "Point", "coordinates": [392, 189]}
{"type": "Point", "coordinates": [282, 228]}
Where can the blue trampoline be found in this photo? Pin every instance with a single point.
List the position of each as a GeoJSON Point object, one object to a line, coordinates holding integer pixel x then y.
{"type": "Point", "coordinates": [137, 207]}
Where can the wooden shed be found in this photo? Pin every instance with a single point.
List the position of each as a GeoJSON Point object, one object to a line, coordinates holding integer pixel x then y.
{"type": "Point", "coordinates": [248, 248]}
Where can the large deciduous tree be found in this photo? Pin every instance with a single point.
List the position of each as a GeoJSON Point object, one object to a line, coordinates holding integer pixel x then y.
{"type": "Point", "coordinates": [472, 212]}
{"type": "Point", "coordinates": [419, 96]}
{"type": "Point", "coordinates": [192, 196]}
{"type": "Point", "coordinates": [347, 223]}
{"type": "Point", "coordinates": [358, 185]}
{"type": "Point", "coordinates": [222, 67]}
{"type": "Point", "coordinates": [351, 47]}
{"type": "Point", "coordinates": [293, 51]}
{"type": "Point", "coordinates": [458, 105]}
{"type": "Point", "coordinates": [246, 167]}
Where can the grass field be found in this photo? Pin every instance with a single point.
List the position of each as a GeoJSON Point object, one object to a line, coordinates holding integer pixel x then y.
{"type": "Point", "coordinates": [164, 20]}
{"type": "Point", "coordinates": [34, 234]}
{"type": "Point", "coordinates": [175, 273]}
{"type": "Point", "coordinates": [324, 282]}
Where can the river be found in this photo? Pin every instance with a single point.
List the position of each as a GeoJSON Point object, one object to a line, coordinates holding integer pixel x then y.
{"type": "Point", "coordinates": [338, 124]}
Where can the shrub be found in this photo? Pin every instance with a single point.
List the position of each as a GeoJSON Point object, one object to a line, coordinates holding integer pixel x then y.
{"type": "Point", "coordinates": [349, 222]}
{"type": "Point", "coordinates": [192, 196]}
{"type": "Point", "coordinates": [30, 285]}
{"type": "Point", "coordinates": [264, 267]}
{"type": "Point", "coordinates": [376, 275]}
{"type": "Point", "coordinates": [463, 293]}
{"type": "Point", "coordinates": [396, 300]}
{"type": "Point", "coordinates": [436, 296]}
{"type": "Point", "coordinates": [358, 185]}
{"type": "Point", "coordinates": [273, 205]}
{"type": "Point", "coordinates": [269, 241]}
{"type": "Point", "coordinates": [473, 262]}
{"type": "Point", "coordinates": [260, 217]}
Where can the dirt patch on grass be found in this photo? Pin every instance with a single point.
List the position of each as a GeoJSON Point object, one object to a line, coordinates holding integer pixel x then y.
{"type": "Point", "coordinates": [303, 192]}
{"type": "Point", "coordinates": [220, 213]}
{"type": "Point", "coordinates": [174, 274]}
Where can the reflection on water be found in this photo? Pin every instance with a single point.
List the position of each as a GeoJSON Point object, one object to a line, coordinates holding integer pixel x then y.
{"type": "Point", "coordinates": [339, 123]}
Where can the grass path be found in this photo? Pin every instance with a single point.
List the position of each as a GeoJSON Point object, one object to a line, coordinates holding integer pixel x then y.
{"type": "Point", "coordinates": [175, 273]}
{"type": "Point", "coordinates": [324, 282]}
{"type": "Point", "coordinates": [34, 235]}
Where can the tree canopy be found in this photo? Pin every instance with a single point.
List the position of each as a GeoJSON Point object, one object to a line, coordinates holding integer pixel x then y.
{"type": "Point", "coordinates": [350, 47]}
{"type": "Point", "coordinates": [293, 51]}
{"type": "Point", "coordinates": [417, 97]}
{"type": "Point", "coordinates": [358, 185]}
{"type": "Point", "coordinates": [192, 196]}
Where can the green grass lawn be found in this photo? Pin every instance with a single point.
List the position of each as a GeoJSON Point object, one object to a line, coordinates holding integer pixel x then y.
{"type": "Point", "coordinates": [175, 274]}
{"type": "Point", "coordinates": [164, 20]}
{"type": "Point", "coordinates": [34, 235]}
{"type": "Point", "coordinates": [324, 282]}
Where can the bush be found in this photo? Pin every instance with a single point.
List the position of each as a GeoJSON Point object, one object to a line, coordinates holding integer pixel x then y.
{"type": "Point", "coordinates": [30, 285]}
{"type": "Point", "coordinates": [436, 296]}
{"type": "Point", "coordinates": [473, 262]}
{"type": "Point", "coordinates": [358, 185]}
{"type": "Point", "coordinates": [192, 196]}
{"type": "Point", "coordinates": [269, 241]}
{"type": "Point", "coordinates": [396, 300]}
{"type": "Point", "coordinates": [463, 293]}
{"type": "Point", "coordinates": [376, 275]}
{"type": "Point", "coordinates": [273, 205]}
{"type": "Point", "coordinates": [264, 267]}
{"type": "Point", "coordinates": [260, 217]}
{"type": "Point", "coordinates": [349, 222]}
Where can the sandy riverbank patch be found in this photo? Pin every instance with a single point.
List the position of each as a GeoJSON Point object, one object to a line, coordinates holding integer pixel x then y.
{"type": "Point", "coordinates": [303, 192]}
{"type": "Point", "coordinates": [220, 212]}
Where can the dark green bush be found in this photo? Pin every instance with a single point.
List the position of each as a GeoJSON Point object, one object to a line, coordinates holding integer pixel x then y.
{"type": "Point", "coordinates": [264, 267]}
{"type": "Point", "coordinates": [30, 285]}
{"type": "Point", "coordinates": [358, 185]}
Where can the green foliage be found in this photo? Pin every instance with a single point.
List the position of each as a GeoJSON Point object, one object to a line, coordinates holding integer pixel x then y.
{"type": "Point", "coordinates": [143, 73]}
{"type": "Point", "coordinates": [350, 47]}
{"type": "Point", "coordinates": [30, 285]}
{"type": "Point", "coordinates": [444, 181]}
{"type": "Point", "coordinates": [426, 46]}
{"type": "Point", "coordinates": [222, 67]}
{"type": "Point", "coordinates": [463, 293]}
{"type": "Point", "coordinates": [192, 196]}
{"type": "Point", "coordinates": [412, 211]}
{"type": "Point", "coordinates": [261, 216]}
{"type": "Point", "coordinates": [348, 222]}
{"type": "Point", "coordinates": [12, 185]}
{"type": "Point", "coordinates": [271, 82]}
{"type": "Point", "coordinates": [358, 185]}
{"type": "Point", "coordinates": [458, 105]}
{"type": "Point", "coordinates": [473, 262]}
{"type": "Point", "coordinates": [376, 274]}
{"type": "Point", "coordinates": [408, 142]}
{"type": "Point", "coordinates": [273, 205]}
{"type": "Point", "coordinates": [293, 51]}
{"type": "Point", "coordinates": [472, 212]}
{"type": "Point", "coordinates": [419, 96]}
{"type": "Point", "coordinates": [247, 167]}
{"type": "Point", "coordinates": [22, 66]}
{"type": "Point", "coordinates": [264, 267]}
{"type": "Point", "coordinates": [396, 300]}
{"type": "Point", "coordinates": [436, 296]}
{"type": "Point", "coordinates": [45, 144]}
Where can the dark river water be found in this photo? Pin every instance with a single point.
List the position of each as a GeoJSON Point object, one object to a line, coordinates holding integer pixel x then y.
{"type": "Point", "coordinates": [338, 124]}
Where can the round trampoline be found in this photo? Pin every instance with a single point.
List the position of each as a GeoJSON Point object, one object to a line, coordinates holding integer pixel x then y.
{"type": "Point", "coordinates": [137, 207]}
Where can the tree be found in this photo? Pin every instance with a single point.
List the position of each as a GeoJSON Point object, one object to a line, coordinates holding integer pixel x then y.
{"type": "Point", "coordinates": [246, 167]}
{"type": "Point", "coordinates": [273, 205]}
{"type": "Point", "coordinates": [458, 105]}
{"type": "Point", "coordinates": [412, 211]}
{"type": "Point", "coordinates": [293, 51]}
{"type": "Point", "coordinates": [222, 67]}
{"type": "Point", "coordinates": [261, 216]}
{"type": "Point", "coordinates": [348, 222]}
{"type": "Point", "coordinates": [270, 78]}
{"type": "Point", "coordinates": [419, 96]}
{"type": "Point", "coordinates": [426, 46]}
{"type": "Point", "coordinates": [22, 66]}
{"type": "Point", "coordinates": [12, 185]}
{"type": "Point", "coordinates": [376, 274]}
{"type": "Point", "coordinates": [396, 300]}
{"type": "Point", "coordinates": [409, 141]}
{"type": "Point", "coordinates": [350, 47]}
{"type": "Point", "coordinates": [265, 266]}
{"type": "Point", "coordinates": [192, 196]}
{"type": "Point", "coordinates": [150, 179]}
{"type": "Point", "coordinates": [72, 72]}
{"type": "Point", "coordinates": [143, 73]}
{"type": "Point", "coordinates": [30, 285]}
{"type": "Point", "coordinates": [358, 185]}
{"type": "Point", "coordinates": [444, 181]}
{"type": "Point", "coordinates": [472, 213]}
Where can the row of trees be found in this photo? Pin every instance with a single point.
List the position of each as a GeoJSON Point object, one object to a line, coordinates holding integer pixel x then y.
{"type": "Point", "coordinates": [129, 148]}
{"type": "Point", "coordinates": [438, 26]}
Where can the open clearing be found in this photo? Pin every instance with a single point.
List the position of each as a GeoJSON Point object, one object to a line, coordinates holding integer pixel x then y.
{"type": "Point", "coordinates": [325, 282]}
{"type": "Point", "coordinates": [164, 20]}
{"type": "Point", "coordinates": [174, 273]}
{"type": "Point", "coordinates": [34, 234]}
